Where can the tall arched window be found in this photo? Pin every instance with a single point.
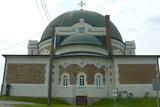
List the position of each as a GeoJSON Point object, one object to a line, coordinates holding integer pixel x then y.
{"type": "Point", "coordinates": [65, 79]}
{"type": "Point", "coordinates": [98, 79]}
{"type": "Point", "coordinates": [81, 80]}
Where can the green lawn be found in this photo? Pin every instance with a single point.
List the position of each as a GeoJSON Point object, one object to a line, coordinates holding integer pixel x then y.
{"type": "Point", "coordinates": [33, 99]}
{"type": "Point", "coordinates": [126, 102]}
{"type": "Point", "coordinates": [45, 106]}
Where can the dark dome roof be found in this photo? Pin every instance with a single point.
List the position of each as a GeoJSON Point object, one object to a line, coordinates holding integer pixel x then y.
{"type": "Point", "coordinates": [72, 17]}
{"type": "Point", "coordinates": [81, 39]}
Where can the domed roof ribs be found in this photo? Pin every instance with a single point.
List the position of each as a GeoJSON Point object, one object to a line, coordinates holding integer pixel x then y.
{"type": "Point", "coordinates": [72, 17]}
{"type": "Point", "coordinates": [108, 34]}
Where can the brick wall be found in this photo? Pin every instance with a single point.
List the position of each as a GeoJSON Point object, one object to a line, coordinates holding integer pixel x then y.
{"type": "Point", "coordinates": [26, 73]}
{"type": "Point", "coordinates": [136, 73]}
{"type": "Point", "coordinates": [90, 70]}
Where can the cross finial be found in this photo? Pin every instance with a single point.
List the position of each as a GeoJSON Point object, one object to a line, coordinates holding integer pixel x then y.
{"type": "Point", "coordinates": [81, 4]}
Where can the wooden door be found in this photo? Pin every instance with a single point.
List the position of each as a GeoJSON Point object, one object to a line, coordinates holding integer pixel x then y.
{"type": "Point", "coordinates": [81, 100]}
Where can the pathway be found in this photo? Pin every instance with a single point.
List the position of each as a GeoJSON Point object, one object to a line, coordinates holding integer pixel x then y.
{"type": "Point", "coordinates": [12, 103]}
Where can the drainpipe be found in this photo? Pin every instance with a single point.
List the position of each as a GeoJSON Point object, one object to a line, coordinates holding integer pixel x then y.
{"type": "Point", "coordinates": [158, 79]}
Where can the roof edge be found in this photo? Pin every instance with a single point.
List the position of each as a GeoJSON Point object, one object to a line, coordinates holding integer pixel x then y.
{"type": "Point", "coordinates": [158, 56]}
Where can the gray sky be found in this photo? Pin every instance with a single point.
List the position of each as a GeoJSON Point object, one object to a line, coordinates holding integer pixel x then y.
{"type": "Point", "coordinates": [20, 20]}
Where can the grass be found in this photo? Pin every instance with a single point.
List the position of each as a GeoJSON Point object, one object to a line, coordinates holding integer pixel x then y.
{"type": "Point", "coordinates": [34, 100]}
{"type": "Point", "coordinates": [125, 102]}
{"type": "Point", "coordinates": [47, 106]}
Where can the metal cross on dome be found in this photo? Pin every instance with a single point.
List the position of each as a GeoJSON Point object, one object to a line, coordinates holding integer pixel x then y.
{"type": "Point", "coordinates": [81, 4]}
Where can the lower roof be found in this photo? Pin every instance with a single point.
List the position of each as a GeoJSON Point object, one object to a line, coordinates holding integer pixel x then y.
{"type": "Point", "coordinates": [58, 56]}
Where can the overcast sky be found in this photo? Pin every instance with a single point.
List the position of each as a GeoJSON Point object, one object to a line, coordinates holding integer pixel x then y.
{"type": "Point", "coordinates": [21, 20]}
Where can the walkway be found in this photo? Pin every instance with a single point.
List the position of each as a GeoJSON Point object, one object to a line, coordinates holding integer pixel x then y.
{"type": "Point", "coordinates": [12, 103]}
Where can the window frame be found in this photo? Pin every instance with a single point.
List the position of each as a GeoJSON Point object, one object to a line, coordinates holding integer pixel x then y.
{"type": "Point", "coordinates": [99, 82]}
{"type": "Point", "coordinates": [79, 79]}
{"type": "Point", "coordinates": [65, 82]}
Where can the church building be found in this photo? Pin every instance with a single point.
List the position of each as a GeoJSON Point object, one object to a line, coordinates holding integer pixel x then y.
{"type": "Point", "coordinates": [90, 60]}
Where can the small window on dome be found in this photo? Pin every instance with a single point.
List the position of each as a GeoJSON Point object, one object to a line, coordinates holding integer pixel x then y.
{"type": "Point", "coordinates": [81, 30]}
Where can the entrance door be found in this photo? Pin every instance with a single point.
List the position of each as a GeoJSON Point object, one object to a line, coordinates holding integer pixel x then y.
{"type": "Point", "coordinates": [81, 100]}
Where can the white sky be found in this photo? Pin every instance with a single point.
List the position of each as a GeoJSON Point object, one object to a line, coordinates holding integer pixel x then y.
{"type": "Point", "coordinates": [137, 20]}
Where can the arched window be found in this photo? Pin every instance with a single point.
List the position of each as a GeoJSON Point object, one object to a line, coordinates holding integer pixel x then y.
{"type": "Point", "coordinates": [65, 79]}
{"type": "Point", "coordinates": [98, 79]}
{"type": "Point", "coordinates": [81, 80]}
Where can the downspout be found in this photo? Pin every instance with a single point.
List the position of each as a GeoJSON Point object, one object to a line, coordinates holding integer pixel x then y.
{"type": "Point", "coordinates": [4, 75]}
{"type": "Point", "coordinates": [158, 79]}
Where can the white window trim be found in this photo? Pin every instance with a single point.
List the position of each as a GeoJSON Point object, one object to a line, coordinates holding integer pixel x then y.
{"type": "Point", "coordinates": [68, 82]}
{"type": "Point", "coordinates": [78, 79]}
{"type": "Point", "coordinates": [101, 80]}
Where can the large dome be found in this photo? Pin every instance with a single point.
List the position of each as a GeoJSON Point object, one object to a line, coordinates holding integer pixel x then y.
{"type": "Point", "coordinates": [72, 17]}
